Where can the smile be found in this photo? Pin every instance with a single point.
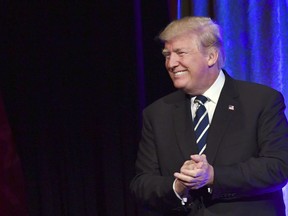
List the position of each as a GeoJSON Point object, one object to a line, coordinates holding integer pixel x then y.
{"type": "Point", "coordinates": [179, 73]}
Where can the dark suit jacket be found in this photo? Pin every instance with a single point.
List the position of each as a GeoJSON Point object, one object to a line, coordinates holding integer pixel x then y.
{"type": "Point", "coordinates": [247, 146]}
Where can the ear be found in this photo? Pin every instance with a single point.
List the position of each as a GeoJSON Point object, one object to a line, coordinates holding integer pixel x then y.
{"type": "Point", "coordinates": [212, 57]}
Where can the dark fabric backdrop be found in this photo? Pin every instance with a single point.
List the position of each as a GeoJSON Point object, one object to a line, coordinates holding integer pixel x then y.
{"type": "Point", "coordinates": [70, 85]}
{"type": "Point", "coordinates": [75, 76]}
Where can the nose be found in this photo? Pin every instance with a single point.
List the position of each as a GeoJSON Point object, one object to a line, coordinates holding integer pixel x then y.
{"type": "Point", "coordinates": [172, 61]}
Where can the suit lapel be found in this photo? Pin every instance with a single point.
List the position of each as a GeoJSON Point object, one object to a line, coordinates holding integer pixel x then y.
{"type": "Point", "coordinates": [184, 129]}
{"type": "Point", "coordinates": [225, 109]}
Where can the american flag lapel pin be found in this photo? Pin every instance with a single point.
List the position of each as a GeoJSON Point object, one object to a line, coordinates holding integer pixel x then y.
{"type": "Point", "coordinates": [231, 107]}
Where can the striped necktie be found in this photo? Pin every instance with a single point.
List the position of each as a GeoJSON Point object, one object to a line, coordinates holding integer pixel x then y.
{"type": "Point", "coordinates": [201, 123]}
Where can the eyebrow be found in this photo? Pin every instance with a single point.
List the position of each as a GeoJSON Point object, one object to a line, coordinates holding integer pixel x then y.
{"type": "Point", "coordinates": [176, 50]}
{"type": "Point", "coordinates": [165, 52]}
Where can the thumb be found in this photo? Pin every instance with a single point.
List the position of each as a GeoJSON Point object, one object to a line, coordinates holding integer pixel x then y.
{"type": "Point", "coordinates": [198, 158]}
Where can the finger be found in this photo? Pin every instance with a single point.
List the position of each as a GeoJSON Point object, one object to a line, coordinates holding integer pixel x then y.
{"type": "Point", "coordinates": [193, 184]}
{"type": "Point", "coordinates": [198, 158]}
{"type": "Point", "coordinates": [188, 180]}
{"type": "Point", "coordinates": [188, 168]}
{"type": "Point", "coordinates": [200, 165]}
{"type": "Point", "coordinates": [188, 163]}
{"type": "Point", "coordinates": [193, 169]}
{"type": "Point", "coordinates": [194, 173]}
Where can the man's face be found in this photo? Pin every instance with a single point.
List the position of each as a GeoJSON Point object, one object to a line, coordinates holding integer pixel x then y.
{"type": "Point", "coordinates": [188, 67]}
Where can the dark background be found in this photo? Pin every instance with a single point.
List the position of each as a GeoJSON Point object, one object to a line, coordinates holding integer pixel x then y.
{"type": "Point", "coordinates": [74, 88]}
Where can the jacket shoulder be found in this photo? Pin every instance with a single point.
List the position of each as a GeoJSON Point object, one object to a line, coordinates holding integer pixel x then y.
{"type": "Point", "coordinates": [252, 89]}
{"type": "Point", "coordinates": [167, 100]}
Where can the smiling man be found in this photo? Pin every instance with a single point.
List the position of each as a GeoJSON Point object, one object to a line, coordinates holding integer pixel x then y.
{"type": "Point", "coordinates": [216, 146]}
{"type": "Point", "coordinates": [187, 64]}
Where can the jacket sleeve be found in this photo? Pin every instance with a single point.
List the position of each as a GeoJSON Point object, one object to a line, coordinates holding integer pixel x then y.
{"type": "Point", "coordinates": [149, 186]}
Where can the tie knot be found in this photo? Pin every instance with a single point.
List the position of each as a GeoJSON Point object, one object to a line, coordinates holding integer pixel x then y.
{"type": "Point", "coordinates": [200, 99]}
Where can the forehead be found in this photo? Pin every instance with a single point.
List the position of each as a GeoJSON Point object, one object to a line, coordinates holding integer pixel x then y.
{"type": "Point", "coordinates": [184, 41]}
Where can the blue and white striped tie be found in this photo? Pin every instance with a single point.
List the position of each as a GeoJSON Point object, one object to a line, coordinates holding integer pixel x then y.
{"type": "Point", "coordinates": [201, 123]}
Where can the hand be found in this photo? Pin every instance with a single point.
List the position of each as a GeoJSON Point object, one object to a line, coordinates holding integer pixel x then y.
{"type": "Point", "coordinates": [194, 174]}
{"type": "Point", "coordinates": [180, 187]}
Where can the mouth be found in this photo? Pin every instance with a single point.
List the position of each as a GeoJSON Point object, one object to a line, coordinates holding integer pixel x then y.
{"type": "Point", "coordinates": [179, 73]}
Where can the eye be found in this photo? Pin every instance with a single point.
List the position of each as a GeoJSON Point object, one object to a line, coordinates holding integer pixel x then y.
{"type": "Point", "coordinates": [181, 53]}
{"type": "Point", "coordinates": [166, 55]}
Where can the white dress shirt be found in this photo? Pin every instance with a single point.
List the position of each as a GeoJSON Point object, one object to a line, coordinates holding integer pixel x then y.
{"type": "Point", "coordinates": [212, 94]}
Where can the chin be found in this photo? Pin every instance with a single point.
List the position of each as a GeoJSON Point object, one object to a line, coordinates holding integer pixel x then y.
{"type": "Point", "coordinates": [179, 85]}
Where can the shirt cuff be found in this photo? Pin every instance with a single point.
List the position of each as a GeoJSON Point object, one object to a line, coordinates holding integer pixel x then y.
{"type": "Point", "coordinates": [183, 198]}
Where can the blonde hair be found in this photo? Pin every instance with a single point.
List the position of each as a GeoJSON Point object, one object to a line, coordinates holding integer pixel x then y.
{"type": "Point", "coordinates": [208, 34]}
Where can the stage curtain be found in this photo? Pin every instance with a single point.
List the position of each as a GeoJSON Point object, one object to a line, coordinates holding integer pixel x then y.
{"type": "Point", "coordinates": [255, 39]}
{"type": "Point", "coordinates": [12, 184]}
{"type": "Point", "coordinates": [75, 77]}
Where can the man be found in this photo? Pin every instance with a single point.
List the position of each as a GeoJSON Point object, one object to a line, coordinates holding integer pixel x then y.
{"type": "Point", "coordinates": [238, 163]}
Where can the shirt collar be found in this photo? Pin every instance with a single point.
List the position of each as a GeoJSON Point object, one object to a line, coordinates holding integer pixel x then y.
{"type": "Point", "coordinates": [213, 93]}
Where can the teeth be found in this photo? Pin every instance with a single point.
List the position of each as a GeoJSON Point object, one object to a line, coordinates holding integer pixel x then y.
{"type": "Point", "coordinates": [179, 73]}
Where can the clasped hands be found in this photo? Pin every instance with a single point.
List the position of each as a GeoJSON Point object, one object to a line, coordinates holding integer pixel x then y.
{"type": "Point", "coordinates": [194, 174]}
